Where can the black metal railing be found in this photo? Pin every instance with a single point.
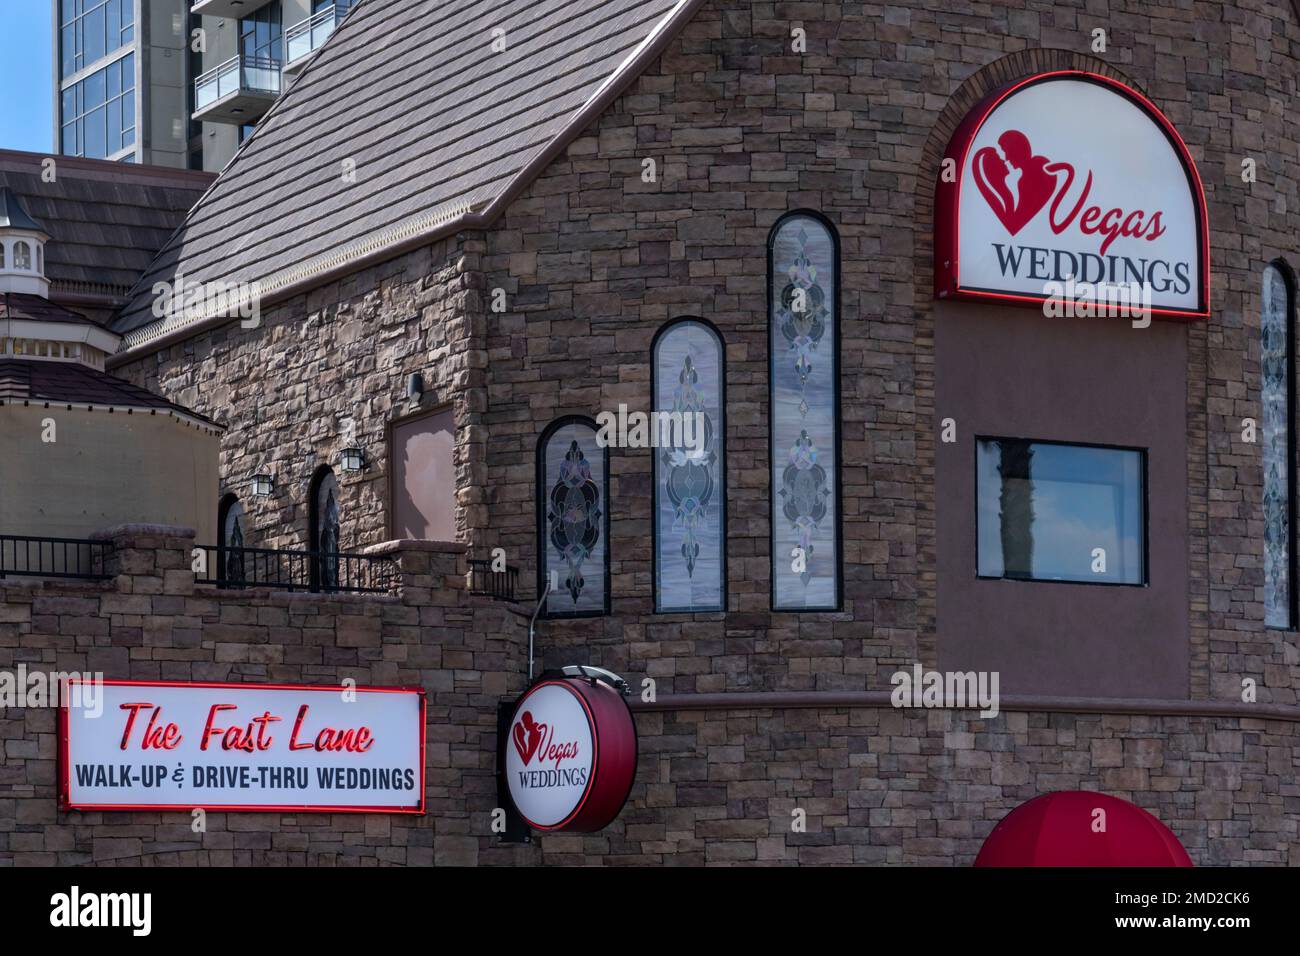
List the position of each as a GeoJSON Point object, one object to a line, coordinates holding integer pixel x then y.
{"type": "Point", "coordinates": [53, 557]}
{"type": "Point", "coordinates": [498, 585]}
{"type": "Point", "coordinates": [316, 571]}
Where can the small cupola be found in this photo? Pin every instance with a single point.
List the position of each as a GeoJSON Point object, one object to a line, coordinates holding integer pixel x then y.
{"type": "Point", "coordinates": [22, 248]}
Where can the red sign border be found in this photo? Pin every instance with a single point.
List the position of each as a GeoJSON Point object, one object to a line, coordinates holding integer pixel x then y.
{"type": "Point", "coordinates": [64, 769]}
{"type": "Point", "coordinates": [947, 199]}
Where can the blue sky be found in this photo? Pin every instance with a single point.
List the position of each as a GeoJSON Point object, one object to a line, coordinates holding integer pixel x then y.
{"type": "Point", "coordinates": [26, 77]}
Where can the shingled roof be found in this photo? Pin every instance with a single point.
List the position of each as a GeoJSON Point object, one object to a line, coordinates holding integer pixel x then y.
{"type": "Point", "coordinates": [443, 132]}
{"type": "Point", "coordinates": [35, 308]}
{"type": "Point", "coordinates": [106, 221]}
{"type": "Point", "coordinates": [71, 384]}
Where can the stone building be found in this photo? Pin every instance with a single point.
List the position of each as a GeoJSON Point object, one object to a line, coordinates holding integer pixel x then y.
{"type": "Point", "coordinates": [636, 204]}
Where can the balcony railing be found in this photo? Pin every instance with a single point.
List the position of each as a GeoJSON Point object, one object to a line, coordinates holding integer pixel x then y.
{"type": "Point", "coordinates": [307, 36]}
{"type": "Point", "coordinates": [498, 585]}
{"type": "Point", "coordinates": [316, 571]}
{"type": "Point", "coordinates": [53, 557]}
{"type": "Point", "coordinates": [255, 74]}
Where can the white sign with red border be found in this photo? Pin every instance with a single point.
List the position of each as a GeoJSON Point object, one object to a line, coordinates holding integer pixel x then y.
{"type": "Point", "coordinates": [150, 745]}
{"type": "Point", "coordinates": [570, 759]}
{"type": "Point", "coordinates": [1071, 187]}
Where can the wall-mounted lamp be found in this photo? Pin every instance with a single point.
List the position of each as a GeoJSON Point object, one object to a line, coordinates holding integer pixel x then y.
{"type": "Point", "coordinates": [263, 484]}
{"type": "Point", "coordinates": [352, 459]}
{"type": "Point", "coordinates": [415, 387]}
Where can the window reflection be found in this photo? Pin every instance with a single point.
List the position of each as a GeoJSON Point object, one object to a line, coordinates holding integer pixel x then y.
{"type": "Point", "coordinates": [1056, 512]}
{"type": "Point", "coordinates": [98, 113]}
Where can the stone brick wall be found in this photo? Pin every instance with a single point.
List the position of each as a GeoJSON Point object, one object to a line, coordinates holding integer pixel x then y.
{"type": "Point", "coordinates": [151, 622]}
{"type": "Point", "coordinates": [328, 369]}
{"type": "Point", "coordinates": [880, 786]}
{"type": "Point", "coordinates": [594, 261]}
{"type": "Point", "coordinates": [714, 786]}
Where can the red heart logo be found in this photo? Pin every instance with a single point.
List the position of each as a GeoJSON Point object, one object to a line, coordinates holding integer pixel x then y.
{"type": "Point", "coordinates": [1034, 187]}
{"type": "Point", "coordinates": [528, 736]}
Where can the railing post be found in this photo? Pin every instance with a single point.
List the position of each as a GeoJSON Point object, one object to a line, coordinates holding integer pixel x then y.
{"type": "Point", "coordinates": [150, 559]}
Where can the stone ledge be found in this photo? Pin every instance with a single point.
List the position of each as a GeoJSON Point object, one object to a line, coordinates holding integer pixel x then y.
{"type": "Point", "coordinates": [26, 586]}
{"type": "Point", "coordinates": [791, 700]}
{"type": "Point", "coordinates": [414, 544]}
{"type": "Point", "coordinates": [240, 595]}
{"type": "Point", "coordinates": [141, 530]}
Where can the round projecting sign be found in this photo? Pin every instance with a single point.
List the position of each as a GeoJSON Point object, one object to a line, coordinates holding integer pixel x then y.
{"type": "Point", "coordinates": [571, 756]}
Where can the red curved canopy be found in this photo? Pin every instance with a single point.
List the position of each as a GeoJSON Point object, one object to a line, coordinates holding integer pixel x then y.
{"type": "Point", "coordinates": [1060, 829]}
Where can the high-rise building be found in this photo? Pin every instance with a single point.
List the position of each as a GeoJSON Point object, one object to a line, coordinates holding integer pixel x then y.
{"type": "Point", "coordinates": [177, 82]}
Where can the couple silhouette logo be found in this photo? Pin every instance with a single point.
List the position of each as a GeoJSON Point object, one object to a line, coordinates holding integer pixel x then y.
{"type": "Point", "coordinates": [1016, 200]}
{"type": "Point", "coordinates": [528, 735]}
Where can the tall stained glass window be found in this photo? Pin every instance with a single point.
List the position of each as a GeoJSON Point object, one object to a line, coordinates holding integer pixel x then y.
{"type": "Point", "coordinates": [689, 390]}
{"type": "Point", "coordinates": [1277, 378]}
{"type": "Point", "coordinates": [573, 519]}
{"type": "Point", "coordinates": [803, 303]}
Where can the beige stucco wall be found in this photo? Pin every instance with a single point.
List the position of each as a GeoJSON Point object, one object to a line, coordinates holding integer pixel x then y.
{"type": "Point", "coordinates": [104, 469]}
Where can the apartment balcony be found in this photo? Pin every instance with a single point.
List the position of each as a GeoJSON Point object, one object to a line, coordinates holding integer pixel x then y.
{"type": "Point", "coordinates": [307, 36]}
{"type": "Point", "coordinates": [239, 90]}
{"type": "Point", "coordinates": [226, 8]}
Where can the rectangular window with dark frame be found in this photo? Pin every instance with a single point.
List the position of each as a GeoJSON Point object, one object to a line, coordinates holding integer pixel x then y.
{"type": "Point", "coordinates": [99, 111]}
{"type": "Point", "coordinates": [1049, 511]}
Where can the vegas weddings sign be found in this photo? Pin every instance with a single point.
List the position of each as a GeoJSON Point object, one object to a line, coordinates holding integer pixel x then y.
{"type": "Point", "coordinates": [1070, 187]}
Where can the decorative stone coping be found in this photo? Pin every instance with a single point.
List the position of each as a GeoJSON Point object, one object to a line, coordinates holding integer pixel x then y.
{"type": "Point", "coordinates": [150, 530]}
{"type": "Point", "coordinates": [414, 544]}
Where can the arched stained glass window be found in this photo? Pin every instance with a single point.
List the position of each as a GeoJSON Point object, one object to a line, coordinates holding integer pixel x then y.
{"type": "Point", "coordinates": [232, 523]}
{"type": "Point", "coordinates": [1277, 399]}
{"type": "Point", "coordinates": [688, 431]}
{"type": "Point", "coordinates": [325, 529]}
{"type": "Point", "coordinates": [573, 519]}
{"type": "Point", "coordinates": [803, 304]}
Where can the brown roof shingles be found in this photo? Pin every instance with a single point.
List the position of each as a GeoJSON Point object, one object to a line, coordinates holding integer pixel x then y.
{"type": "Point", "coordinates": [412, 92]}
{"type": "Point", "coordinates": [22, 305]}
{"type": "Point", "coordinates": [106, 220]}
{"type": "Point", "coordinates": [68, 383]}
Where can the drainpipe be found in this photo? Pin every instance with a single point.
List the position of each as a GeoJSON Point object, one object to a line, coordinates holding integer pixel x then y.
{"type": "Point", "coordinates": [532, 626]}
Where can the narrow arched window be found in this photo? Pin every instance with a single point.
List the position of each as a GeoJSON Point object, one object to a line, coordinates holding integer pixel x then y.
{"type": "Point", "coordinates": [803, 344]}
{"type": "Point", "coordinates": [1277, 401]}
{"type": "Point", "coordinates": [688, 395]}
{"type": "Point", "coordinates": [573, 519]}
{"type": "Point", "coordinates": [22, 255]}
{"type": "Point", "coordinates": [325, 530]}
{"type": "Point", "coordinates": [230, 556]}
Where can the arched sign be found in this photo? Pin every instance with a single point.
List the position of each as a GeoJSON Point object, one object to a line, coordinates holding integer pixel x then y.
{"type": "Point", "coordinates": [1072, 190]}
{"type": "Point", "coordinates": [571, 756]}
